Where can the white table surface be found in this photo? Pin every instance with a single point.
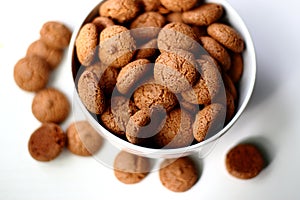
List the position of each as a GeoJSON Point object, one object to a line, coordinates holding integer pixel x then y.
{"type": "Point", "coordinates": [271, 117]}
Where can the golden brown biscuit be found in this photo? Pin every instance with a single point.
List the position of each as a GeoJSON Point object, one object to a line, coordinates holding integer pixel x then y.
{"type": "Point", "coordinates": [50, 105]}
{"type": "Point", "coordinates": [117, 46]}
{"type": "Point", "coordinates": [130, 75]}
{"type": "Point", "coordinates": [83, 139]}
{"type": "Point", "coordinates": [86, 44]}
{"type": "Point", "coordinates": [31, 73]}
{"type": "Point", "coordinates": [174, 17]}
{"type": "Point", "coordinates": [178, 175]}
{"type": "Point", "coordinates": [102, 22]}
{"type": "Point", "coordinates": [55, 34]}
{"type": "Point", "coordinates": [151, 94]}
{"type": "Point", "coordinates": [120, 10]}
{"type": "Point", "coordinates": [176, 35]}
{"type": "Point", "coordinates": [147, 50]}
{"type": "Point", "coordinates": [203, 15]}
{"type": "Point", "coordinates": [149, 5]}
{"type": "Point", "coordinates": [52, 56]}
{"type": "Point", "coordinates": [130, 168]}
{"type": "Point", "coordinates": [176, 70]}
{"type": "Point", "coordinates": [227, 36]}
{"type": "Point", "coordinates": [46, 142]}
{"type": "Point", "coordinates": [244, 161]}
{"type": "Point", "coordinates": [176, 132]}
{"type": "Point", "coordinates": [178, 5]}
{"type": "Point", "coordinates": [208, 121]}
{"type": "Point", "coordinates": [236, 70]}
{"type": "Point", "coordinates": [217, 51]}
{"type": "Point", "coordinates": [90, 91]}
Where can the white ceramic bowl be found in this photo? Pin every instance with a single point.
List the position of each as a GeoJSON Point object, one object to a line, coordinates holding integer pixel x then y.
{"type": "Point", "coordinates": [203, 148]}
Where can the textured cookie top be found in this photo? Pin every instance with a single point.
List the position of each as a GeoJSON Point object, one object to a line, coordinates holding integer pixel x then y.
{"type": "Point", "coordinates": [130, 168]}
{"type": "Point", "coordinates": [46, 142]}
{"type": "Point", "coordinates": [31, 73]}
{"type": "Point", "coordinates": [177, 71]}
{"type": "Point", "coordinates": [120, 10]}
{"type": "Point", "coordinates": [244, 161]}
{"type": "Point", "coordinates": [50, 105]}
{"type": "Point", "coordinates": [178, 5]}
{"type": "Point", "coordinates": [150, 5]}
{"type": "Point", "coordinates": [178, 175]}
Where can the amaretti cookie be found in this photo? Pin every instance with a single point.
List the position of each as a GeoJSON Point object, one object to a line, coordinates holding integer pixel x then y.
{"type": "Point", "coordinates": [178, 5]}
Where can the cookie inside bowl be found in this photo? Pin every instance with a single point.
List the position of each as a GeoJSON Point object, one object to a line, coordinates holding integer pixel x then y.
{"type": "Point", "coordinates": [159, 87]}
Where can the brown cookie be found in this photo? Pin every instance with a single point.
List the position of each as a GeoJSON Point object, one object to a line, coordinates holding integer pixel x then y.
{"type": "Point", "coordinates": [83, 139]}
{"type": "Point", "coordinates": [151, 94]}
{"type": "Point", "coordinates": [31, 73]}
{"type": "Point", "coordinates": [52, 56]}
{"type": "Point", "coordinates": [147, 50]}
{"type": "Point", "coordinates": [176, 70]}
{"type": "Point", "coordinates": [176, 35]}
{"type": "Point", "coordinates": [115, 117]}
{"type": "Point", "coordinates": [207, 87]}
{"type": "Point", "coordinates": [163, 10]}
{"type": "Point", "coordinates": [203, 15]}
{"type": "Point", "coordinates": [174, 17]}
{"type": "Point", "coordinates": [50, 105]}
{"type": "Point", "coordinates": [229, 85]}
{"type": "Point", "coordinates": [230, 106]}
{"type": "Point", "coordinates": [236, 70]}
{"type": "Point", "coordinates": [150, 5]}
{"type": "Point", "coordinates": [130, 168]}
{"type": "Point", "coordinates": [176, 132]}
{"type": "Point", "coordinates": [208, 121]}
{"type": "Point", "coordinates": [190, 108]}
{"type": "Point", "coordinates": [244, 161]}
{"type": "Point", "coordinates": [120, 10]}
{"type": "Point", "coordinates": [117, 46]}
{"type": "Point", "coordinates": [46, 142]}
{"type": "Point", "coordinates": [147, 25]}
{"type": "Point", "coordinates": [217, 51]}
{"type": "Point", "coordinates": [90, 91]}
{"type": "Point", "coordinates": [178, 175]}
{"type": "Point", "coordinates": [199, 31]}
{"type": "Point", "coordinates": [86, 43]}
{"type": "Point", "coordinates": [178, 5]}
{"type": "Point", "coordinates": [130, 75]}
{"type": "Point", "coordinates": [55, 34]}
{"type": "Point", "coordinates": [102, 22]}
{"type": "Point", "coordinates": [227, 36]}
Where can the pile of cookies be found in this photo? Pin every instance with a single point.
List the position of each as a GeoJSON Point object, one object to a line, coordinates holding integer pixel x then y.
{"type": "Point", "coordinates": [50, 106]}
{"type": "Point", "coordinates": [159, 73]}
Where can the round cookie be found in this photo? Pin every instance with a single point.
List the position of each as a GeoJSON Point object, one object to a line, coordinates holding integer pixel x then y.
{"type": "Point", "coordinates": [227, 36]}
{"type": "Point", "coordinates": [31, 73]}
{"type": "Point", "coordinates": [174, 17]}
{"type": "Point", "coordinates": [55, 34]}
{"type": "Point", "coordinates": [50, 105]}
{"type": "Point", "coordinates": [151, 94]}
{"type": "Point", "coordinates": [147, 50]}
{"type": "Point", "coordinates": [244, 161]}
{"type": "Point", "coordinates": [83, 139]}
{"type": "Point", "coordinates": [217, 51]}
{"type": "Point", "coordinates": [147, 25]}
{"type": "Point", "coordinates": [236, 70]}
{"type": "Point", "coordinates": [86, 43]}
{"type": "Point", "coordinates": [90, 91]}
{"type": "Point", "coordinates": [46, 142]}
{"type": "Point", "coordinates": [150, 5]}
{"type": "Point", "coordinates": [208, 121]}
{"type": "Point", "coordinates": [117, 46]}
{"type": "Point", "coordinates": [207, 87]}
{"type": "Point", "coordinates": [120, 10]}
{"type": "Point", "coordinates": [178, 175]}
{"type": "Point", "coordinates": [178, 5]}
{"type": "Point", "coordinates": [131, 75]}
{"type": "Point", "coordinates": [52, 56]}
{"type": "Point", "coordinates": [177, 71]}
{"type": "Point", "coordinates": [203, 15]}
{"type": "Point", "coordinates": [102, 22]}
{"type": "Point", "coordinates": [130, 168]}
{"type": "Point", "coordinates": [176, 35]}
{"type": "Point", "coordinates": [176, 132]}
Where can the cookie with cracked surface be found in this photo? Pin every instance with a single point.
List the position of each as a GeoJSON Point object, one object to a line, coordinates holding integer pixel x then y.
{"type": "Point", "coordinates": [244, 161]}
{"type": "Point", "coordinates": [178, 5]}
{"type": "Point", "coordinates": [50, 105]}
{"type": "Point", "coordinates": [130, 168]}
{"type": "Point", "coordinates": [227, 36]}
{"type": "Point", "coordinates": [46, 142]}
{"type": "Point", "coordinates": [31, 73]}
{"type": "Point", "coordinates": [178, 175]}
{"type": "Point", "coordinates": [83, 139]}
{"type": "Point", "coordinates": [208, 121]}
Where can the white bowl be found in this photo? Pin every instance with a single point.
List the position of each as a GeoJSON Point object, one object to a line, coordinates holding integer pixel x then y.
{"type": "Point", "coordinates": [246, 86]}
